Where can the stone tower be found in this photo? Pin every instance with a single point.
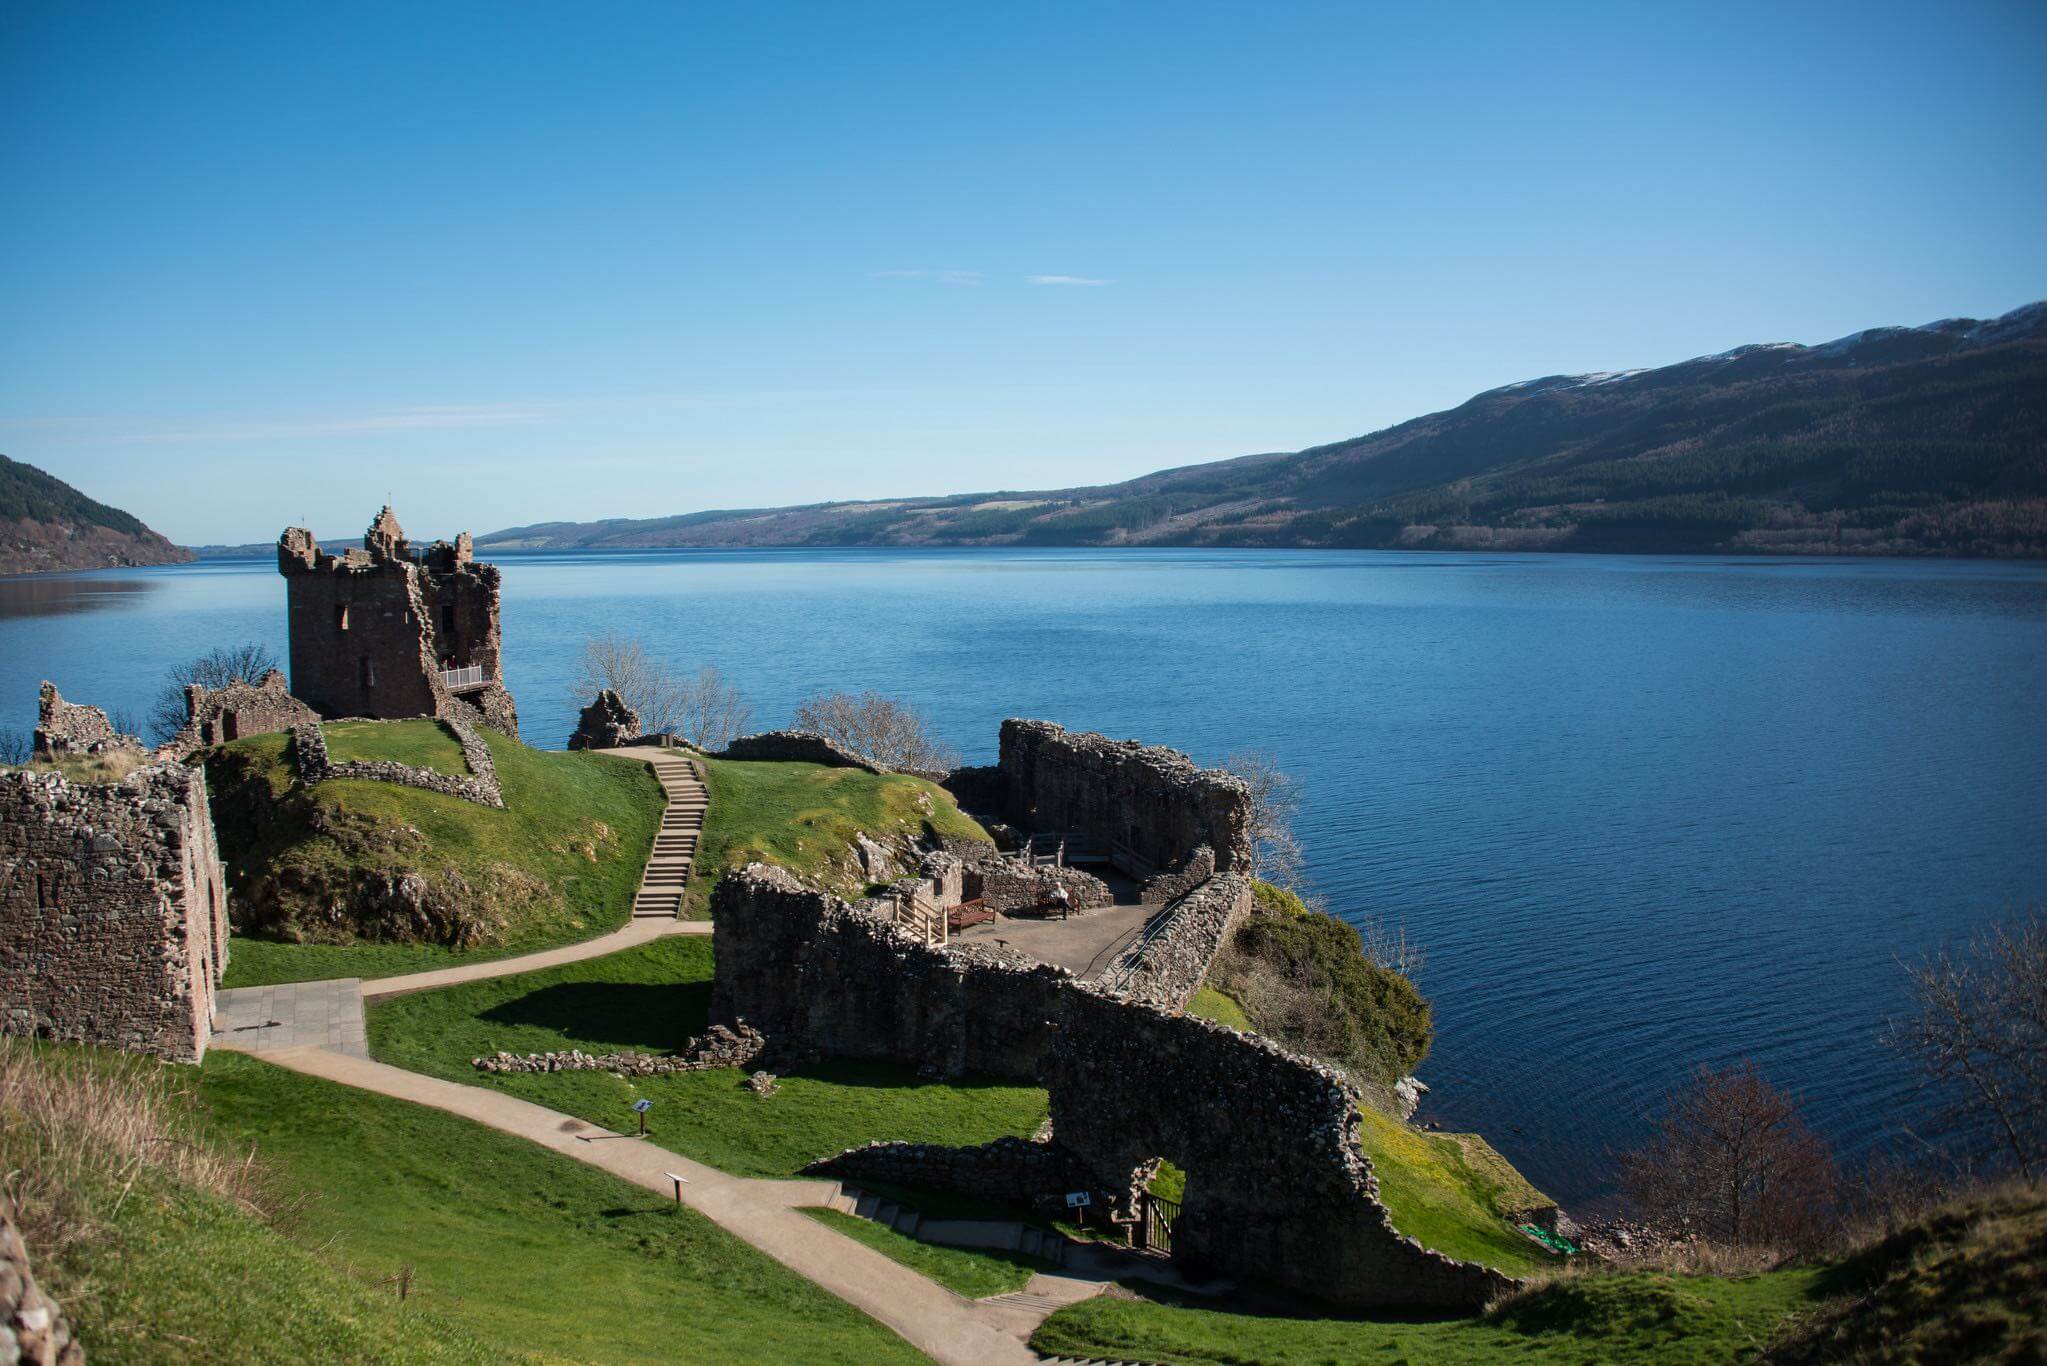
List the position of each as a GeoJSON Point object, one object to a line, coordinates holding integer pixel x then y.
{"type": "Point", "coordinates": [389, 632]}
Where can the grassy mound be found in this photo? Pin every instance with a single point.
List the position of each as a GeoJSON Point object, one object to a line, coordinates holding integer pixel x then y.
{"type": "Point", "coordinates": [804, 817]}
{"type": "Point", "coordinates": [1453, 1193]}
{"type": "Point", "coordinates": [1211, 1004]}
{"type": "Point", "coordinates": [318, 877]}
{"type": "Point", "coordinates": [530, 1253]}
{"type": "Point", "coordinates": [653, 998]}
{"type": "Point", "coordinates": [1968, 1283]}
{"type": "Point", "coordinates": [973, 1272]}
{"type": "Point", "coordinates": [1579, 1321]}
{"type": "Point", "coordinates": [156, 1242]}
{"type": "Point", "coordinates": [421, 743]}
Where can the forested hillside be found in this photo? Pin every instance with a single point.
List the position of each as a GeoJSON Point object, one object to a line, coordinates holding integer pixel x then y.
{"type": "Point", "coordinates": [47, 524]}
{"type": "Point", "coordinates": [1900, 440]}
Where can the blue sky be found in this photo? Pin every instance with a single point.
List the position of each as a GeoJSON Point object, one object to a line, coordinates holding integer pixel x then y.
{"type": "Point", "coordinates": [514, 262]}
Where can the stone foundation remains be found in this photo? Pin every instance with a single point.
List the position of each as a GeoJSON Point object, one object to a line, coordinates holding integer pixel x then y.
{"type": "Point", "coordinates": [1012, 1169]}
{"type": "Point", "coordinates": [717, 1047]}
{"type": "Point", "coordinates": [66, 728]}
{"type": "Point", "coordinates": [479, 785]}
{"type": "Point", "coordinates": [1278, 1185]}
{"type": "Point", "coordinates": [606, 723]}
{"type": "Point", "coordinates": [796, 746]}
{"type": "Point", "coordinates": [113, 912]}
{"type": "Point", "coordinates": [33, 1330]}
{"type": "Point", "coordinates": [389, 632]}
{"type": "Point", "coordinates": [1010, 885]}
{"type": "Point", "coordinates": [216, 716]}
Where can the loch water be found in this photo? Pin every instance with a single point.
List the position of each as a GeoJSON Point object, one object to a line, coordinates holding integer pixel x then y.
{"type": "Point", "coordinates": [1640, 812]}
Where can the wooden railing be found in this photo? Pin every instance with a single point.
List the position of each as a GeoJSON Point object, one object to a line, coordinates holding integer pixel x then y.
{"type": "Point", "coordinates": [920, 917]}
{"type": "Point", "coordinates": [1155, 1229]}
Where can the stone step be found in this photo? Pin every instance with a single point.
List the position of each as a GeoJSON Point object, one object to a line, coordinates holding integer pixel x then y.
{"type": "Point", "coordinates": [866, 1205]}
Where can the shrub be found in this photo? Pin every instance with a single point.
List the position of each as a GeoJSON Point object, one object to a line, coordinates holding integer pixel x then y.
{"type": "Point", "coordinates": [1278, 901]}
{"type": "Point", "coordinates": [890, 733]}
{"type": "Point", "coordinates": [1304, 979]}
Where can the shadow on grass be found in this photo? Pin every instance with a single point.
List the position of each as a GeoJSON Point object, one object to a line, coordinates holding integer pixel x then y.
{"type": "Point", "coordinates": [658, 1018]}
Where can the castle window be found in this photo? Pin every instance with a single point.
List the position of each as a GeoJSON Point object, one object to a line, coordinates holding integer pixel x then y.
{"type": "Point", "coordinates": [369, 673]}
{"type": "Point", "coordinates": [341, 616]}
{"type": "Point", "coordinates": [448, 617]}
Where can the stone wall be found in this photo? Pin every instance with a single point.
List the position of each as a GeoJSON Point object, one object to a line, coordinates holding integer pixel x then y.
{"type": "Point", "coordinates": [372, 629]}
{"type": "Point", "coordinates": [68, 728]}
{"type": "Point", "coordinates": [1165, 965]}
{"type": "Point", "coordinates": [113, 912]}
{"type": "Point", "coordinates": [33, 1330]}
{"type": "Point", "coordinates": [798, 746]}
{"type": "Point", "coordinates": [606, 723]}
{"type": "Point", "coordinates": [216, 716]}
{"type": "Point", "coordinates": [1149, 799]}
{"type": "Point", "coordinates": [1278, 1185]}
{"type": "Point", "coordinates": [1010, 885]}
{"type": "Point", "coordinates": [479, 785]}
{"type": "Point", "coordinates": [1199, 868]}
{"type": "Point", "coordinates": [1008, 1169]}
{"type": "Point", "coordinates": [718, 1047]}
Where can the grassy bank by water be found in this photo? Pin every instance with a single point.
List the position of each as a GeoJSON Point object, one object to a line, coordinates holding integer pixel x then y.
{"type": "Point", "coordinates": [560, 863]}
{"type": "Point", "coordinates": [653, 998]}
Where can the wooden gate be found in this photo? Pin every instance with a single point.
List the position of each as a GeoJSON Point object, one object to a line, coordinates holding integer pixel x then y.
{"type": "Point", "coordinates": [1161, 1217]}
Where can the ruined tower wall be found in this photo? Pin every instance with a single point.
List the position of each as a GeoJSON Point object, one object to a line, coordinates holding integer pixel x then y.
{"type": "Point", "coordinates": [217, 715]}
{"type": "Point", "coordinates": [113, 910]}
{"type": "Point", "coordinates": [1148, 798]}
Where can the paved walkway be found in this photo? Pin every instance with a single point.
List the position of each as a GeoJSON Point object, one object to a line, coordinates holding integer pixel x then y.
{"type": "Point", "coordinates": [292, 1015]}
{"type": "Point", "coordinates": [632, 934]}
{"type": "Point", "coordinates": [1085, 943]}
{"type": "Point", "coordinates": [763, 1213]}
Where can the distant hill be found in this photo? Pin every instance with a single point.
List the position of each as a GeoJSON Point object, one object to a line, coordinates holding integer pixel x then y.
{"type": "Point", "coordinates": [1897, 441]}
{"type": "Point", "coordinates": [46, 524]}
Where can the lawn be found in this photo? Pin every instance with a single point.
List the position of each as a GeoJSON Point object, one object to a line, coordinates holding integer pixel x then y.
{"type": "Point", "coordinates": [421, 743]}
{"type": "Point", "coordinates": [804, 816]}
{"type": "Point", "coordinates": [560, 863]}
{"type": "Point", "coordinates": [973, 1272]}
{"type": "Point", "coordinates": [1212, 1004]}
{"type": "Point", "coordinates": [1451, 1192]}
{"type": "Point", "coordinates": [523, 1250]}
{"type": "Point", "coordinates": [653, 998]}
{"type": "Point", "coordinates": [1578, 1321]}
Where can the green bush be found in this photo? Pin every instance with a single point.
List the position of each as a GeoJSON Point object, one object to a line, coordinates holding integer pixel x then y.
{"type": "Point", "coordinates": [1303, 978]}
{"type": "Point", "coordinates": [1278, 901]}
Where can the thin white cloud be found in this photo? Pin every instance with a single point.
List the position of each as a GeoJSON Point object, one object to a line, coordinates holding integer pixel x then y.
{"type": "Point", "coordinates": [1082, 281]}
{"type": "Point", "coordinates": [943, 277]}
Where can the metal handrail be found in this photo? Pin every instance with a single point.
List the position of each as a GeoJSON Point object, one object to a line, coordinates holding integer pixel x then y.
{"type": "Point", "coordinates": [462, 678]}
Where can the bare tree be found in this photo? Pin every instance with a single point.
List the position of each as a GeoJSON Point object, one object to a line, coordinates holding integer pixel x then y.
{"type": "Point", "coordinates": [1980, 1029]}
{"type": "Point", "coordinates": [711, 713]}
{"type": "Point", "coordinates": [1730, 1160]}
{"type": "Point", "coordinates": [891, 733]}
{"type": "Point", "coordinates": [1275, 799]}
{"type": "Point", "coordinates": [705, 710]}
{"type": "Point", "coordinates": [217, 668]}
{"type": "Point", "coordinates": [16, 746]}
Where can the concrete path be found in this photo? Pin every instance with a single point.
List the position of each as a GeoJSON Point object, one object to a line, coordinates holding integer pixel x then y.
{"type": "Point", "coordinates": [632, 934]}
{"type": "Point", "coordinates": [292, 1015]}
{"type": "Point", "coordinates": [763, 1213]}
{"type": "Point", "coordinates": [1085, 943]}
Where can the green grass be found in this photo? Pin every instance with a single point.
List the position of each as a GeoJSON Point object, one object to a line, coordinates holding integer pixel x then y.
{"type": "Point", "coordinates": [1451, 1192]}
{"type": "Point", "coordinates": [524, 1250]}
{"type": "Point", "coordinates": [421, 743]}
{"type": "Point", "coordinates": [653, 998]}
{"type": "Point", "coordinates": [561, 863]}
{"type": "Point", "coordinates": [804, 816]}
{"type": "Point", "coordinates": [1578, 1321]}
{"type": "Point", "coordinates": [1212, 1004]}
{"type": "Point", "coordinates": [974, 1273]}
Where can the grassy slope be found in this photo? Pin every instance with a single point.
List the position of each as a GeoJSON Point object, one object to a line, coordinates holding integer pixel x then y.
{"type": "Point", "coordinates": [653, 998]}
{"type": "Point", "coordinates": [804, 817]}
{"type": "Point", "coordinates": [1582, 1321]}
{"type": "Point", "coordinates": [1451, 1192]}
{"type": "Point", "coordinates": [420, 743]}
{"type": "Point", "coordinates": [1212, 1004]}
{"type": "Point", "coordinates": [574, 836]}
{"type": "Point", "coordinates": [973, 1273]}
{"type": "Point", "coordinates": [524, 1249]}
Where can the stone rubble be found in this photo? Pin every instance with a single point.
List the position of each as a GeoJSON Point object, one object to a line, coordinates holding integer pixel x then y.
{"type": "Point", "coordinates": [715, 1048]}
{"type": "Point", "coordinates": [607, 723]}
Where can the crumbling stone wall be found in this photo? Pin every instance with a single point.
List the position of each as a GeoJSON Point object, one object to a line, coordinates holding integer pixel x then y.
{"type": "Point", "coordinates": [33, 1330]}
{"type": "Point", "coordinates": [1009, 885]}
{"type": "Point", "coordinates": [1149, 799]}
{"type": "Point", "coordinates": [216, 716]}
{"type": "Point", "coordinates": [1279, 1186]}
{"type": "Point", "coordinates": [1165, 965]}
{"type": "Point", "coordinates": [64, 728]}
{"type": "Point", "coordinates": [372, 629]}
{"type": "Point", "coordinates": [1012, 1169]}
{"type": "Point", "coordinates": [606, 723]}
{"type": "Point", "coordinates": [797, 746]}
{"type": "Point", "coordinates": [113, 911]}
{"type": "Point", "coordinates": [479, 785]}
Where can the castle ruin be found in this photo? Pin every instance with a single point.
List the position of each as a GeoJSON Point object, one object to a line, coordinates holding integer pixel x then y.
{"type": "Point", "coordinates": [390, 632]}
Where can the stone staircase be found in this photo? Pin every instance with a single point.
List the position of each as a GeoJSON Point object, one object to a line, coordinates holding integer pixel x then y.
{"type": "Point", "coordinates": [675, 844]}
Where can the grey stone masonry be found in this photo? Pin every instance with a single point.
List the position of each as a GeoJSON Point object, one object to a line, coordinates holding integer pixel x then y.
{"type": "Point", "coordinates": [479, 785]}
{"type": "Point", "coordinates": [606, 723]}
{"type": "Point", "coordinates": [1165, 965]}
{"type": "Point", "coordinates": [113, 912]}
{"type": "Point", "coordinates": [393, 631]}
{"type": "Point", "coordinates": [216, 716]}
{"type": "Point", "coordinates": [33, 1330]}
{"type": "Point", "coordinates": [797, 746]}
{"type": "Point", "coordinates": [68, 728]}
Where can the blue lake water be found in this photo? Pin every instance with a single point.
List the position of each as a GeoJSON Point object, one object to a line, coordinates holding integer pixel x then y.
{"type": "Point", "coordinates": [1641, 812]}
